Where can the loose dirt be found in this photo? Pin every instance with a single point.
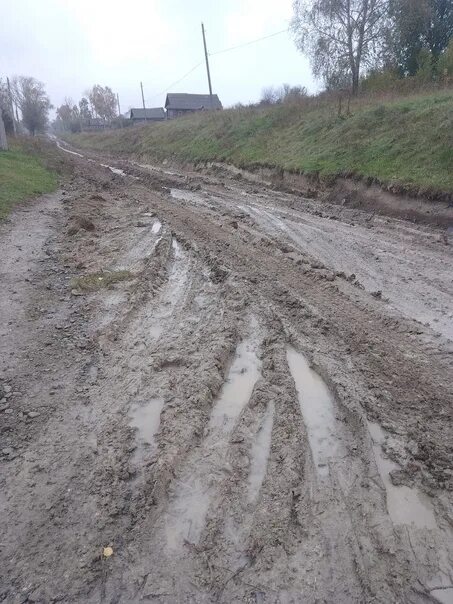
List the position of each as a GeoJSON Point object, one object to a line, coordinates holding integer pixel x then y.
{"type": "Point", "coordinates": [250, 403]}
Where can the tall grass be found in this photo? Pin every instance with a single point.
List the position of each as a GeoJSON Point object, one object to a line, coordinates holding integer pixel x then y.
{"type": "Point", "coordinates": [22, 176]}
{"type": "Point", "coordinates": [405, 140]}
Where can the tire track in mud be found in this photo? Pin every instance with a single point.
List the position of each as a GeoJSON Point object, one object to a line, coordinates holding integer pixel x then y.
{"type": "Point", "coordinates": [254, 500]}
{"type": "Point", "coordinates": [196, 489]}
{"type": "Point", "coordinates": [194, 492]}
{"type": "Point", "coordinates": [381, 536]}
{"type": "Point", "coordinates": [363, 251]}
{"type": "Point", "coordinates": [272, 545]}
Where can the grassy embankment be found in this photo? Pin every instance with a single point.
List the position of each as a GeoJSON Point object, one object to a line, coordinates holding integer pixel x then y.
{"type": "Point", "coordinates": [23, 175]}
{"type": "Point", "coordinates": [406, 141]}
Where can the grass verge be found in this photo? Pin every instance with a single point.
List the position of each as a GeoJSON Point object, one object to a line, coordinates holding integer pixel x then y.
{"type": "Point", "coordinates": [406, 141]}
{"type": "Point", "coordinates": [101, 280]}
{"type": "Point", "coordinates": [22, 175]}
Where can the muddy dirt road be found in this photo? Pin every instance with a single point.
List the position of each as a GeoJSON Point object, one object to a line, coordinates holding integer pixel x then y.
{"type": "Point", "coordinates": [245, 394]}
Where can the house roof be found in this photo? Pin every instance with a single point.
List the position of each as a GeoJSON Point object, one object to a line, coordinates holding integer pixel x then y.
{"type": "Point", "coordinates": [151, 113]}
{"type": "Point", "coordinates": [182, 101]}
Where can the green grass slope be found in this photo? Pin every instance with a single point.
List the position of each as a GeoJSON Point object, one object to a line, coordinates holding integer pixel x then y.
{"type": "Point", "coordinates": [22, 176]}
{"type": "Point", "coordinates": [407, 141]}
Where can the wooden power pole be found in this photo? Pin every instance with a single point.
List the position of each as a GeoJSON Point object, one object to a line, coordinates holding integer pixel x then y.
{"type": "Point", "coordinates": [207, 64]}
{"type": "Point", "coordinates": [143, 100]}
{"type": "Point", "coordinates": [12, 106]}
{"type": "Point", "coordinates": [118, 103]}
{"type": "Point", "coordinates": [3, 139]}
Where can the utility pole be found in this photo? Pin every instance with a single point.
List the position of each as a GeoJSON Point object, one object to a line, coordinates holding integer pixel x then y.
{"type": "Point", "coordinates": [119, 110]}
{"type": "Point", "coordinates": [12, 106]}
{"type": "Point", "coordinates": [143, 100]}
{"type": "Point", "coordinates": [207, 64]}
{"type": "Point", "coordinates": [3, 139]}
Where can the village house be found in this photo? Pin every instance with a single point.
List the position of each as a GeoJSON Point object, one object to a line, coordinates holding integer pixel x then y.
{"type": "Point", "coordinates": [152, 114]}
{"type": "Point", "coordinates": [93, 123]}
{"type": "Point", "coordinates": [178, 104]}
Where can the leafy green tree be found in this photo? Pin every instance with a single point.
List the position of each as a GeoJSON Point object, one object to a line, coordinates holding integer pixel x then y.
{"type": "Point", "coordinates": [34, 104]}
{"type": "Point", "coordinates": [6, 108]}
{"type": "Point", "coordinates": [68, 116]}
{"type": "Point", "coordinates": [445, 62]}
{"type": "Point", "coordinates": [103, 101]}
{"type": "Point", "coordinates": [419, 26]}
{"type": "Point", "coordinates": [84, 109]}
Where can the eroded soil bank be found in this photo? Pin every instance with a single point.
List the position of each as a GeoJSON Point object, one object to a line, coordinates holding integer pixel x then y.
{"type": "Point", "coordinates": [246, 394]}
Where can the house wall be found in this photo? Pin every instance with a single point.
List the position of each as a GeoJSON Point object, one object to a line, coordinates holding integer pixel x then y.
{"type": "Point", "coordinates": [137, 120]}
{"type": "Point", "coordinates": [172, 113]}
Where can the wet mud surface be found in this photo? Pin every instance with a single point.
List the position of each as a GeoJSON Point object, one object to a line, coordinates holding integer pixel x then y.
{"type": "Point", "coordinates": [246, 394]}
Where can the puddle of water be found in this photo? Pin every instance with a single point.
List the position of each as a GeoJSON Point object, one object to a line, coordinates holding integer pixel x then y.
{"type": "Point", "coordinates": [260, 454]}
{"type": "Point", "coordinates": [186, 516]}
{"type": "Point", "coordinates": [238, 388]}
{"type": "Point", "coordinates": [117, 171]}
{"type": "Point", "coordinates": [146, 418]}
{"type": "Point", "coordinates": [443, 595]}
{"type": "Point", "coordinates": [184, 195]}
{"type": "Point", "coordinates": [316, 404]}
{"type": "Point", "coordinates": [444, 591]}
{"type": "Point", "coordinates": [207, 466]}
{"type": "Point", "coordinates": [176, 284]}
{"type": "Point", "coordinates": [114, 170]}
{"type": "Point", "coordinates": [156, 169]}
{"type": "Point", "coordinates": [68, 150]}
{"type": "Point", "coordinates": [405, 505]}
{"type": "Point", "coordinates": [156, 227]}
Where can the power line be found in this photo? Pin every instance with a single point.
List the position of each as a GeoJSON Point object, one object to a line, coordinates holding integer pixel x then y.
{"type": "Point", "coordinates": [177, 81]}
{"type": "Point", "coordinates": [218, 52]}
{"type": "Point", "coordinates": [277, 33]}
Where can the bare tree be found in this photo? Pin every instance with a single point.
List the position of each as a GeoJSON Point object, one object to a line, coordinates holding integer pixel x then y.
{"type": "Point", "coordinates": [283, 94]}
{"type": "Point", "coordinates": [269, 95]}
{"type": "Point", "coordinates": [33, 102]}
{"type": "Point", "coordinates": [342, 37]}
{"type": "Point", "coordinates": [103, 102]}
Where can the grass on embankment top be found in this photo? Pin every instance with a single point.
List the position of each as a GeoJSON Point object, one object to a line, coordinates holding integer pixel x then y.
{"type": "Point", "coordinates": [22, 176]}
{"type": "Point", "coordinates": [407, 141]}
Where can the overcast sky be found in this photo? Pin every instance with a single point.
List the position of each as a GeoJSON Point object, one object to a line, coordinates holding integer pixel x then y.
{"type": "Point", "coordinates": [72, 44]}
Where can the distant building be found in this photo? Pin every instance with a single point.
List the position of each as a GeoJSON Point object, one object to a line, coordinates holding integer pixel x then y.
{"type": "Point", "coordinates": [178, 104]}
{"type": "Point", "coordinates": [93, 123]}
{"type": "Point", "coordinates": [153, 114]}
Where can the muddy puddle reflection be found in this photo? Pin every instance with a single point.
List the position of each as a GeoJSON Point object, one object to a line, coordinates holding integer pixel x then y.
{"type": "Point", "coordinates": [316, 404]}
{"type": "Point", "coordinates": [156, 227]}
{"type": "Point", "coordinates": [236, 390]}
{"type": "Point", "coordinates": [173, 293]}
{"type": "Point", "coordinates": [405, 505]}
{"type": "Point", "coordinates": [260, 454]}
{"type": "Point", "coordinates": [207, 466]}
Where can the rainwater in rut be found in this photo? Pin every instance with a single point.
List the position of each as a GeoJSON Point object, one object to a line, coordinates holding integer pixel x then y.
{"type": "Point", "coordinates": [316, 404]}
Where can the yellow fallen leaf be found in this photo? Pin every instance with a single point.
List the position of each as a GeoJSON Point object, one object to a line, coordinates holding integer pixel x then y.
{"type": "Point", "coordinates": [107, 552]}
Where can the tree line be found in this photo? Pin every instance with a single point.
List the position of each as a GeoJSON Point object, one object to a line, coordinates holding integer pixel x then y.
{"type": "Point", "coordinates": [349, 40]}
{"type": "Point", "coordinates": [28, 96]}
{"type": "Point", "coordinates": [98, 103]}
{"type": "Point", "coordinates": [351, 44]}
